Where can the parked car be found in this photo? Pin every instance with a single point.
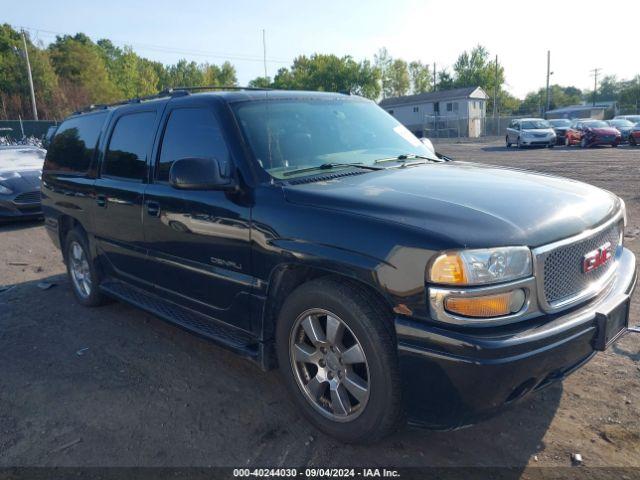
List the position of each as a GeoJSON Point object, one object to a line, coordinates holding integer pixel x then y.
{"type": "Point", "coordinates": [49, 135]}
{"type": "Point", "coordinates": [634, 135]}
{"type": "Point", "coordinates": [589, 133]}
{"type": "Point", "coordinates": [313, 232]}
{"type": "Point", "coordinates": [624, 126]}
{"type": "Point", "coordinates": [529, 132]}
{"type": "Point", "coordinates": [20, 172]}
{"type": "Point", "coordinates": [560, 127]}
{"type": "Point", "coordinates": [635, 119]}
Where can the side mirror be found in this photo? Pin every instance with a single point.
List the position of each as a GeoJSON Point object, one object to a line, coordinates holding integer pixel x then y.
{"type": "Point", "coordinates": [200, 174]}
{"type": "Point", "coordinates": [427, 143]}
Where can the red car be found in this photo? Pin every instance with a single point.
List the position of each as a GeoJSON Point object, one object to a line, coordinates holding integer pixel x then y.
{"type": "Point", "coordinates": [589, 133]}
{"type": "Point", "coordinates": [634, 135]}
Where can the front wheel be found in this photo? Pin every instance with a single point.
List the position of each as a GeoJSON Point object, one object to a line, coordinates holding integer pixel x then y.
{"type": "Point", "coordinates": [338, 358]}
{"type": "Point", "coordinates": [81, 270]}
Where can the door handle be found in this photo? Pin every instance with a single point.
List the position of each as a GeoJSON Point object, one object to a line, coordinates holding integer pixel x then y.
{"type": "Point", "coordinates": [101, 200]}
{"type": "Point", "coordinates": [153, 209]}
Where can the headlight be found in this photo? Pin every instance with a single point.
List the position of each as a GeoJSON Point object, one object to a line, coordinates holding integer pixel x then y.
{"type": "Point", "coordinates": [5, 190]}
{"type": "Point", "coordinates": [480, 267]}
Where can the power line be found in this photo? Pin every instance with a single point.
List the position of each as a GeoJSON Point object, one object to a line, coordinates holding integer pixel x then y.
{"type": "Point", "coordinates": [171, 50]}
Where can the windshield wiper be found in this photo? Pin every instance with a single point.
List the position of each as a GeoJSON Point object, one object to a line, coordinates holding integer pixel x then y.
{"type": "Point", "coordinates": [329, 166]}
{"type": "Point", "coordinates": [405, 157]}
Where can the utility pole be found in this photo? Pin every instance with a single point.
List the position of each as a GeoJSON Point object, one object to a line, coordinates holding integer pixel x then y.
{"type": "Point", "coordinates": [546, 109]}
{"type": "Point", "coordinates": [595, 72]}
{"type": "Point", "coordinates": [264, 52]}
{"type": "Point", "coordinates": [33, 95]}
{"type": "Point", "coordinates": [435, 82]}
{"type": "Point", "coordinates": [495, 93]}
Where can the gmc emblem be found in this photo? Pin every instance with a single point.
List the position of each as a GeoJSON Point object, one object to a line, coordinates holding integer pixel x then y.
{"type": "Point", "coordinates": [597, 258]}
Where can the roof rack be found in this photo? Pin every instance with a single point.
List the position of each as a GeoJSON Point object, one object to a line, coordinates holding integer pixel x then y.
{"type": "Point", "coordinates": [218, 87]}
{"type": "Point", "coordinates": [168, 92]}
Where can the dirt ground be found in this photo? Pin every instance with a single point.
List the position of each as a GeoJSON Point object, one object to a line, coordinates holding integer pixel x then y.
{"type": "Point", "coordinates": [114, 386]}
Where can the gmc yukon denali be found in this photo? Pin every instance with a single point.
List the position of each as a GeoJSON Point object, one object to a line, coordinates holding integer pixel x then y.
{"type": "Point", "coordinates": [313, 233]}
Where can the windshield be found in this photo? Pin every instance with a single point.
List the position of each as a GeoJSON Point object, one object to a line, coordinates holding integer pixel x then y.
{"type": "Point", "coordinates": [560, 123]}
{"type": "Point", "coordinates": [293, 134]}
{"type": "Point", "coordinates": [534, 124]}
{"type": "Point", "coordinates": [596, 124]}
{"type": "Point", "coordinates": [620, 123]}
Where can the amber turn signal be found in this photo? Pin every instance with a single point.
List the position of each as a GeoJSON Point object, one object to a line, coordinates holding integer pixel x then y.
{"type": "Point", "coordinates": [448, 269]}
{"type": "Point", "coordinates": [497, 305]}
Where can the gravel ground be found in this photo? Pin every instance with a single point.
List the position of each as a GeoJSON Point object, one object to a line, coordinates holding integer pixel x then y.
{"type": "Point", "coordinates": [114, 386]}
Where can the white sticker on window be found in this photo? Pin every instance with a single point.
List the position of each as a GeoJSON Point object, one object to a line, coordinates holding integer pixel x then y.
{"type": "Point", "coordinates": [407, 135]}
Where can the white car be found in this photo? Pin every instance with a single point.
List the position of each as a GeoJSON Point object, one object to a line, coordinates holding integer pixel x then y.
{"type": "Point", "coordinates": [529, 132]}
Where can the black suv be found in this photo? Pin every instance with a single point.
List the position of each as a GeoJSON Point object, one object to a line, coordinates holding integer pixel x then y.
{"type": "Point", "coordinates": [313, 232]}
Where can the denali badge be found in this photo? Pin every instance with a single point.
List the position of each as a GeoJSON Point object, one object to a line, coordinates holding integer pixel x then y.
{"type": "Point", "coordinates": [597, 258]}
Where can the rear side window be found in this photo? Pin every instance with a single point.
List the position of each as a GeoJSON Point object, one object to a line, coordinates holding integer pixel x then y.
{"type": "Point", "coordinates": [130, 141]}
{"type": "Point", "coordinates": [191, 133]}
{"type": "Point", "coordinates": [74, 144]}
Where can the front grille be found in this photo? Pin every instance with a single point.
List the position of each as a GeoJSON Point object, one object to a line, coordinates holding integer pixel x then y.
{"type": "Point", "coordinates": [27, 198]}
{"type": "Point", "coordinates": [563, 275]}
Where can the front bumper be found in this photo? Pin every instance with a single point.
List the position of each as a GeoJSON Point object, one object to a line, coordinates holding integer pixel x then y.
{"type": "Point", "coordinates": [456, 377]}
{"type": "Point", "coordinates": [535, 141]}
{"type": "Point", "coordinates": [10, 210]}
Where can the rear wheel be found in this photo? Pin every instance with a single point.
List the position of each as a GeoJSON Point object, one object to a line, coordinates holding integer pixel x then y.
{"type": "Point", "coordinates": [506, 140]}
{"type": "Point", "coordinates": [82, 270]}
{"type": "Point", "coordinates": [338, 358]}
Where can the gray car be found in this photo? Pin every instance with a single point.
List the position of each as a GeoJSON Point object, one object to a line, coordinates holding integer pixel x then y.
{"type": "Point", "coordinates": [623, 125]}
{"type": "Point", "coordinates": [530, 132]}
{"type": "Point", "coordinates": [20, 174]}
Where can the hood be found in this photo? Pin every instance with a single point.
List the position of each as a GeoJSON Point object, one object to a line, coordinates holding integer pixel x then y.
{"type": "Point", "coordinates": [470, 205]}
{"type": "Point", "coordinates": [21, 160]}
{"type": "Point", "coordinates": [545, 131]}
{"type": "Point", "coordinates": [604, 131]}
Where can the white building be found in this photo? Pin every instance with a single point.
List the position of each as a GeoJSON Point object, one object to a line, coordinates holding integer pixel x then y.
{"type": "Point", "coordinates": [457, 112]}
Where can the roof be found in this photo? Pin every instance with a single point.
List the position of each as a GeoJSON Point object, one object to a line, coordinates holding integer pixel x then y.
{"type": "Point", "coordinates": [233, 94]}
{"type": "Point", "coordinates": [574, 108]}
{"type": "Point", "coordinates": [466, 92]}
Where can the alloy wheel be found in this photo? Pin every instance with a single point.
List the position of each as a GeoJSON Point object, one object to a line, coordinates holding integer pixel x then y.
{"type": "Point", "coordinates": [329, 364]}
{"type": "Point", "coordinates": [79, 268]}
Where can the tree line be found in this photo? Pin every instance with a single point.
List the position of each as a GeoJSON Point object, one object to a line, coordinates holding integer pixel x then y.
{"type": "Point", "coordinates": [75, 71]}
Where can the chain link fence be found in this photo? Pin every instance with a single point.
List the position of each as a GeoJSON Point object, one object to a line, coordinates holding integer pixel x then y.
{"type": "Point", "coordinates": [463, 127]}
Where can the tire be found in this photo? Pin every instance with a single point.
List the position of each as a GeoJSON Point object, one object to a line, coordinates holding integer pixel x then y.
{"type": "Point", "coordinates": [632, 141]}
{"type": "Point", "coordinates": [317, 379]}
{"type": "Point", "coordinates": [550, 146]}
{"type": "Point", "coordinates": [506, 140]}
{"type": "Point", "coordinates": [82, 271]}
{"type": "Point", "coordinates": [614, 145]}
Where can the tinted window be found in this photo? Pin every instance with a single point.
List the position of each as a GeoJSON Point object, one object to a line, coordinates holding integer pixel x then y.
{"type": "Point", "coordinates": [74, 144]}
{"type": "Point", "coordinates": [190, 132]}
{"type": "Point", "coordinates": [130, 141]}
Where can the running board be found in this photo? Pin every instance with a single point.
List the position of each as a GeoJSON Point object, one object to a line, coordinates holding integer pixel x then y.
{"type": "Point", "coordinates": [226, 336]}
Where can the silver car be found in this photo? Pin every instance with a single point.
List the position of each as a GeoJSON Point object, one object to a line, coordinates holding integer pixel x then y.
{"type": "Point", "coordinates": [529, 132]}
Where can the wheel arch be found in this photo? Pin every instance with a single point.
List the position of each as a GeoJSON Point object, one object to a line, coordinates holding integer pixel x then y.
{"type": "Point", "coordinates": [286, 277]}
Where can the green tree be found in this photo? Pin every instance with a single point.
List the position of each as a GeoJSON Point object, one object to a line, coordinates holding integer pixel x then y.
{"type": "Point", "coordinates": [421, 80]}
{"type": "Point", "coordinates": [445, 80]}
{"type": "Point", "coordinates": [260, 82]}
{"type": "Point", "coordinates": [82, 71]}
{"type": "Point", "coordinates": [328, 73]}
{"type": "Point", "coordinates": [399, 78]}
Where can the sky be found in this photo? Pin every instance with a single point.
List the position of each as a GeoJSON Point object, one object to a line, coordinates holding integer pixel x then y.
{"type": "Point", "coordinates": [581, 35]}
